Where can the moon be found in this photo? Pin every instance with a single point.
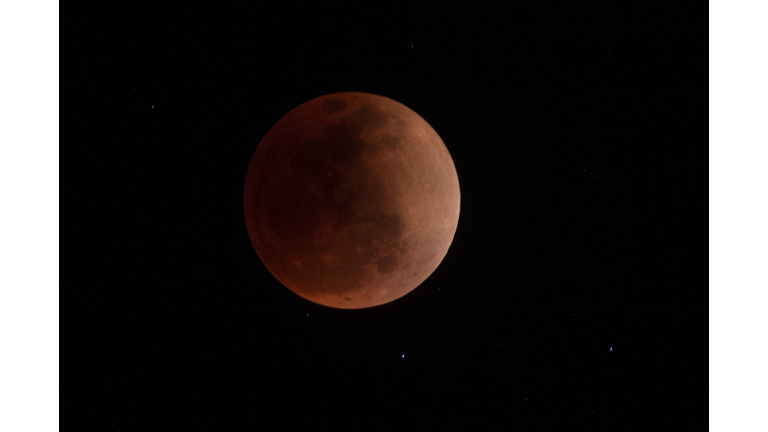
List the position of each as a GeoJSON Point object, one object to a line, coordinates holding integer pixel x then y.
{"type": "Point", "coordinates": [351, 200]}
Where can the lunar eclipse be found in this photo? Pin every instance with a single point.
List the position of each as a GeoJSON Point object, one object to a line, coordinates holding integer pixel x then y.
{"type": "Point", "coordinates": [351, 200]}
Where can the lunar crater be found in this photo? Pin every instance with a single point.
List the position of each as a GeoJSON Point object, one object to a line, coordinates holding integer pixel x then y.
{"type": "Point", "coordinates": [334, 105]}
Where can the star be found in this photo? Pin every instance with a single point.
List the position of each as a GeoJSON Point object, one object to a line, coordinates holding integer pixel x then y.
{"type": "Point", "coordinates": [611, 349]}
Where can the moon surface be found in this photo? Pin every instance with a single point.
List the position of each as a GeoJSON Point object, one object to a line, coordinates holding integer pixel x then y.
{"type": "Point", "coordinates": [351, 200]}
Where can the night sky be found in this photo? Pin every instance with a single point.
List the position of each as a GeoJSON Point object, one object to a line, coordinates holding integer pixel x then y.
{"type": "Point", "coordinates": [572, 295]}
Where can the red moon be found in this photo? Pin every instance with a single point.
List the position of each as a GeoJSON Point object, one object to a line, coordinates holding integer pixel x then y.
{"type": "Point", "coordinates": [351, 200]}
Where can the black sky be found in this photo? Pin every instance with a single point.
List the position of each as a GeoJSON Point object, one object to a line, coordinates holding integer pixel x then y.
{"type": "Point", "coordinates": [573, 295]}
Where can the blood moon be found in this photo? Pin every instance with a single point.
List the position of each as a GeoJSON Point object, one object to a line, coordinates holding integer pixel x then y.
{"type": "Point", "coordinates": [351, 200]}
